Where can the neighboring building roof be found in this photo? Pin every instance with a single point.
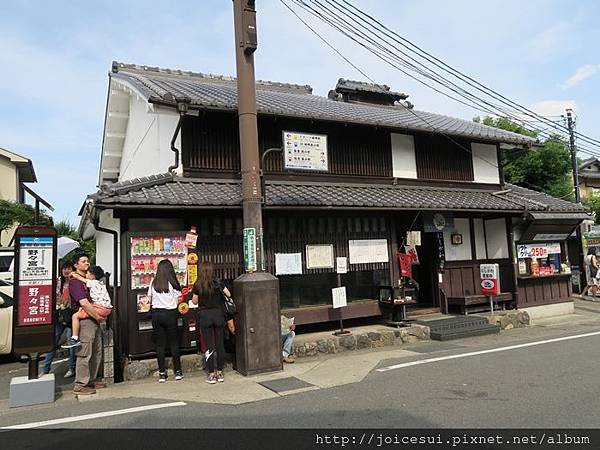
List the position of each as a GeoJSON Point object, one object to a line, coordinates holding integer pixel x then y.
{"type": "Point", "coordinates": [165, 86]}
{"type": "Point", "coordinates": [23, 165]}
{"type": "Point", "coordinates": [588, 162]}
{"type": "Point", "coordinates": [168, 190]}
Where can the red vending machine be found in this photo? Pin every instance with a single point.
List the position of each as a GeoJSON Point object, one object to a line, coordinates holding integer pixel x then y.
{"type": "Point", "coordinates": [144, 251]}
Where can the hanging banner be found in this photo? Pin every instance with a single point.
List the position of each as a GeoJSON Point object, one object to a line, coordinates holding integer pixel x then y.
{"type": "Point", "coordinates": [192, 268]}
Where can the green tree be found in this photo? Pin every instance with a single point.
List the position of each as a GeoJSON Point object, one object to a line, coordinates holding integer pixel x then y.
{"type": "Point", "coordinates": [87, 246]}
{"type": "Point", "coordinates": [15, 213]}
{"type": "Point", "coordinates": [546, 168]}
{"type": "Point", "coordinates": [594, 204]}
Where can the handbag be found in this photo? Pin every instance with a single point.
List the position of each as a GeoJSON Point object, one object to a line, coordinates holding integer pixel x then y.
{"type": "Point", "coordinates": [229, 305]}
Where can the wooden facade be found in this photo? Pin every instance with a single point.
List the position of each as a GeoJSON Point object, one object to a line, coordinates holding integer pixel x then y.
{"type": "Point", "coordinates": [210, 146]}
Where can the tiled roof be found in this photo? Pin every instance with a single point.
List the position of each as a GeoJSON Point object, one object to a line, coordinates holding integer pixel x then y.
{"type": "Point", "coordinates": [361, 86]}
{"type": "Point", "coordinates": [280, 99]}
{"type": "Point", "coordinates": [169, 190]}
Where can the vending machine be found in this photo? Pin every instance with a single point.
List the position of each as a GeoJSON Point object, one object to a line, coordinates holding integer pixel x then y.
{"type": "Point", "coordinates": [144, 251]}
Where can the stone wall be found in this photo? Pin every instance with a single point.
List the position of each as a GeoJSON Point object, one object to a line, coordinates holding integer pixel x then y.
{"type": "Point", "coordinates": [510, 319]}
{"type": "Point", "coordinates": [384, 337]}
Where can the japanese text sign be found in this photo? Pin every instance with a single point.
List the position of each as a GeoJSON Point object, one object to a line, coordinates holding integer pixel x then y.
{"type": "Point", "coordinates": [489, 279]}
{"type": "Point", "coordinates": [34, 279]}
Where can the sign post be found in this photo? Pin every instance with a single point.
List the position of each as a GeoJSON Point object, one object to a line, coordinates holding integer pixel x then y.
{"type": "Point", "coordinates": [490, 282]}
{"type": "Point", "coordinates": [338, 294]}
{"type": "Point", "coordinates": [33, 312]}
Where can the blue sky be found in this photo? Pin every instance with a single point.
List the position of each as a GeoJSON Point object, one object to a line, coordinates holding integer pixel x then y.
{"type": "Point", "coordinates": [55, 56]}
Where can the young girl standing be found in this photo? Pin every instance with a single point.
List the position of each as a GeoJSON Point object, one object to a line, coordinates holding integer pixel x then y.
{"type": "Point", "coordinates": [164, 293]}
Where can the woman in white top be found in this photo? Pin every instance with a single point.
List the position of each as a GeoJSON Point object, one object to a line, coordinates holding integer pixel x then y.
{"type": "Point", "coordinates": [164, 293]}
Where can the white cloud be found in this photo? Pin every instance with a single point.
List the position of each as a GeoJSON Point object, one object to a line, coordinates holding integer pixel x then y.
{"type": "Point", "coordinates": [553, 107]}
{"type": "Point", "coordinates": [581, 74]}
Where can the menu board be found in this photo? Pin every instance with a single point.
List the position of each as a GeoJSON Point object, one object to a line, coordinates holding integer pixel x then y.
{"type": "Point", "coordinates": [304, 151]}
{"type": "Point", "coordinates": [537, 250]}
{"type": "Point", "coordinates": [148, 251]}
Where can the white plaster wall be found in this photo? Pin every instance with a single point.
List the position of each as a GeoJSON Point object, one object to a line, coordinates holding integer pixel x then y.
{"type": "Point", "coordinates": [104, 244]}
{"type": "Point", "coordinates": [404, 163]}
{"type": "Point", "coordinates": [147, 144]}
{"type": "Point", "coordinates": [496, 238]}
{"type": "Point", "coordinates": [478, 229]}
{"type": "Point", "coordinates": [485, 163]}
{"type": "Point", "coordinates": [458, 252]}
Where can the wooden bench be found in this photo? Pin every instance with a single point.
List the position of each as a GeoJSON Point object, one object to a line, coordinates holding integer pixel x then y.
{"type": "Point", "coordinates": [479, 303]}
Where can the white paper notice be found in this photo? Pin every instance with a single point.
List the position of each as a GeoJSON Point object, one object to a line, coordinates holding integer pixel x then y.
{"type": "Point", "coordinates": [368, 251]}
{"type": "Point", "coordinates": [339, 297]}
{"type": "Point", "coordinates": [288, 263]}
{"type": "Point", "coordinates": [341, 264]}
{"type": "Point", "coordinates": [319, 256]}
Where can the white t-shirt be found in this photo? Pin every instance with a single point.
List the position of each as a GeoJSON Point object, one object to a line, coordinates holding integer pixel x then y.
{"type": "Point", "coordinates": [98, 293]}
{"type": "Point", "coordinates": [164, 300]}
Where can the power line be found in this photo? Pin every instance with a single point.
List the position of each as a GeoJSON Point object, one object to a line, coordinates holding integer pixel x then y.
{"type": "Point", "coordinates": [335, 21]}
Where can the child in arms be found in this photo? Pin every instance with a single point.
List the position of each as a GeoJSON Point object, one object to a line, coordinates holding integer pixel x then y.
{"type": "Point", "coordinates": [94, 281]}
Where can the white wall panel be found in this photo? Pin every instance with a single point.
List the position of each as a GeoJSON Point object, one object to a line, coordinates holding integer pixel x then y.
{"type": "Point", "coordinates": [404, 164]}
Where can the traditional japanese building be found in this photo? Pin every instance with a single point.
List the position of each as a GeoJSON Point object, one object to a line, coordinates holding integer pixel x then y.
{"type": "Point", "coordinates": [346, 175]}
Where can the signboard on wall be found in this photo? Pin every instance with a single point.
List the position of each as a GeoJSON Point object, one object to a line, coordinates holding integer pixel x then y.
{"type": "Point", "coordinates": [537, 250]}
{"type": "Point", "coordinates": [288, 263]}
{"type": "Point", "coordinates": [304, 151]}
{"type": "Point", "coordinates": [319, 256]}
{"type": "Point", "coordinates": [489, 279]}
{"type": "Point", "coordinates": [367, 251]}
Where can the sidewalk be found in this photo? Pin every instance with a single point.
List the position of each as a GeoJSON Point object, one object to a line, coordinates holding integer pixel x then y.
{"type": "Point", "coordinates": [330, 370]}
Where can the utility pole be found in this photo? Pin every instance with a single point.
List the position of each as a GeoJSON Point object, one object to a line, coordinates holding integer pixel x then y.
{"type": "Point", "coordinates": [574, 163]}
{"type": "Point", "coordinates": [258, 340]}
{"type": "Point", "coordinates": [570, 126]}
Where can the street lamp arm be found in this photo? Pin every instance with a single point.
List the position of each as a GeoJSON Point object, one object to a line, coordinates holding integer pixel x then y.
{"type": "Point", "coordinates": [262, 173]}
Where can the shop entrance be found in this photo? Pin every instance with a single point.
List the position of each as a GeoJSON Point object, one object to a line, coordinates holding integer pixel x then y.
{"type": "Point", "coordinates": [425, 273]}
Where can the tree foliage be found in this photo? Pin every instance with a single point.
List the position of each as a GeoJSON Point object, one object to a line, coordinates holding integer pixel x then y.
{"type": "Point", "coordinates": [65, 228]}
{"type": "Point", "coordinates": [15, 213]}
{"type": "Point", "coordinates": [546, 168]}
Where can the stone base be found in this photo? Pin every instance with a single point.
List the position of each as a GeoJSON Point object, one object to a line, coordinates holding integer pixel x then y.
{"type": "Point", "coordinates": [25, 392]}
{"type": "Point", "coordinates": [557, 309]}
{"type": "Point", "coordinates": [384, 337]}
{"type": "Point", "coordinates": [510, 319]}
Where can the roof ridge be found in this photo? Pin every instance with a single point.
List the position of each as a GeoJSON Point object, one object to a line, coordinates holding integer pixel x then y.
{"type": "Point", "coordinates": [137, 68]}
{"type": "Point", "coordinates": [123, 187]}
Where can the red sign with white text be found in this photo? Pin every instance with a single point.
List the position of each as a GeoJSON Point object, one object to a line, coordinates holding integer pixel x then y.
{"type": "Point", "coordinates": [35, 304]}
{"type": "Point", "coordinates": [489, 279]}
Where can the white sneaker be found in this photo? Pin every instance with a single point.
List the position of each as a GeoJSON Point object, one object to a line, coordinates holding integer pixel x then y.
{"type": "Point", "coordinates": [70, 373]}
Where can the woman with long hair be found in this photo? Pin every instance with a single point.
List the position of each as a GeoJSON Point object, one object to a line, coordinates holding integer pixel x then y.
{"type": "Point", "coordinates": [207, 294]}
{"type": "Point", "coordinates": [63, 318]}
{"type": "Point", "coordinates": [164, 293]}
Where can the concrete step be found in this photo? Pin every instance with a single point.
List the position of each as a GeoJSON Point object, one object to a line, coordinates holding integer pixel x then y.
{"type": "Point", "coordinates": [455, 327]}
{"type": "Point", "coordinates": [459, 333]}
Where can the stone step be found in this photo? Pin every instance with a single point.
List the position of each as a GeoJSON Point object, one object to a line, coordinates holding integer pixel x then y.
{"type": "Point", "coordinates": [459, 333]}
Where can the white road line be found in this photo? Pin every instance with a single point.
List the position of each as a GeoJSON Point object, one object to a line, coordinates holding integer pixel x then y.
{"type": "Point", "coordinates": [483, 352]}
{"type": "Point", "coordinates": [117, 412]}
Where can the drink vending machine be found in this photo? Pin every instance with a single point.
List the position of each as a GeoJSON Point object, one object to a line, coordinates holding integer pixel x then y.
{"type": "Point", "coordinates": [144, 251]}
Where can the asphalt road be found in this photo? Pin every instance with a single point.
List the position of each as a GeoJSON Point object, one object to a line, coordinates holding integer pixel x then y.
{"type": "Point", "coordinates": [550, 385]}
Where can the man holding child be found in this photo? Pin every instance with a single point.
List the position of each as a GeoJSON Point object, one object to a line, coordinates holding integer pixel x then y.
{"type": "Point", "coordinates": [89, 354]}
